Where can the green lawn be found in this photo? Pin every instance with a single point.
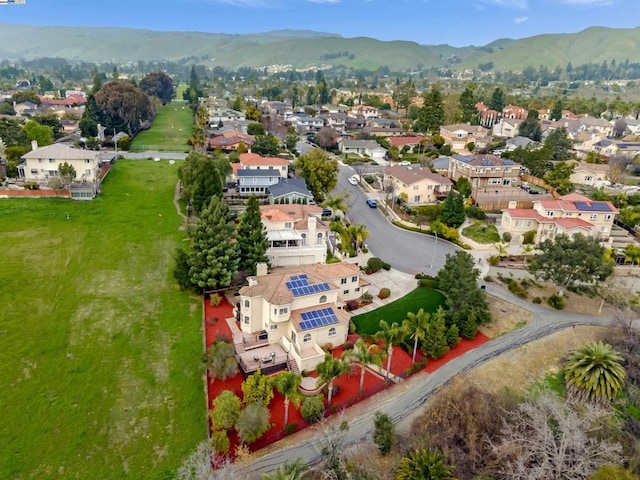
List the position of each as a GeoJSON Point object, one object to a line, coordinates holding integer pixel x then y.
{"type": "Point", "coordinates": [425, 298]}
{"type": "Point", "coordinates": [170, 130]}
{"type": "Point", "coordinates": [101, 354]}
{"type": "Point", "coordinates": [482, 233]}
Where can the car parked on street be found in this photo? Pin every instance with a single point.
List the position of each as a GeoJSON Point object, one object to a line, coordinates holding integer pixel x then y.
{"type": "Point", "coordinates": [353, 180]}
{"type": "Point", "coordinates": [372, 203]}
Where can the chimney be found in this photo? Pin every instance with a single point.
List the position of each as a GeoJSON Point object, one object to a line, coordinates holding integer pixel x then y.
{"type": "Point", "coordinates": [34, 145]}
{"type": "Point", "coordinates": [261, 269]}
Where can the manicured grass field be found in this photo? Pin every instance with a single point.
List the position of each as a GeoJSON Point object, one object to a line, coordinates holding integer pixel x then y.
{"type": "Point", "coordinates": [170, 130]}
{"type": "Point", "coordinates": [101, 354]}
{"type": "Point", "coordinates": [482, 233]}
{"type": "Point", "coordinates": [425, 298]}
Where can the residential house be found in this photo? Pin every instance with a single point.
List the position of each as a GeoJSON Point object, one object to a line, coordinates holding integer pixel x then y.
{"type": "Point", "coordinates": [378, 122]}
{"type": "Point", "coordinates": [225, 115]}
{"type": "Point", "coordinates": [337, 121]}
{"type": "Point", "coordinates": [384, 131]}
{"type": "Point", "coordinates": [256, 181]}
{"type": "Point", "coordinates": [518, 142]}
{"type": "Point", "coordinates": [290, 191]}
{"type": "Point", "coordinates": [293, 312]}
{"type": "Point", "coordinates": [296, 234]}
{"type": "Point", "coordinates": [253, 161]}
{"type": "Point", "coordinates": [305, 123]}
{"type": "Point", "coordinates": [417, 185]}
{"type": "Point", "coordinates": [368, 148]}
{"type": "Point", "coordinates": [25, 108]}
{"type": "Point", "coordinates": [41, 164]}
{"type": "Point", "coordinates": [597, 125]}
{"type": "Point", "coordinates": [408, 143]}
{"type": "Point", "coordinates": [459, 135]}
{"type": "Point", "coordinates": [514, 112]}
{"type": "Point", "coordinates": [363, 111]}
{"type": "Point", "coordinates": [591, 174]}
{"type": "Point", "coordinates": [485, 171]}
{"type": "Point", "coordinates": [486, 115]}
{"type": "Point", "coordinates": [229, 141]}
{"type": "Point", "coordinates": [441, 164]}
{"type": "Point", "coordinates": [569, 215]}
{"type": "Point", "coordinates": [353, 123]}
{"type": "Point", "coordinates": [507, 127]}
{"type": "Point", "coordinates": [275, 108]}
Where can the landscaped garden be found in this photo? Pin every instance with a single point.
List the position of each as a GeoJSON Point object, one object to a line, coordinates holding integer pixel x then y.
{"type": "Point", "coordinates": [101, 353]}
{"type": "Point", "coordinates": [170, 132]}
{"type": "Point", "coordinates": [426, 298]}
{"type": "Point", "coordinates": [482, 233]}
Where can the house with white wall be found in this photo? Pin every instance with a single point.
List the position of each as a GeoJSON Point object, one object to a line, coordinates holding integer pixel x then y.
{"type": "Point", "coordinates": [41, 163]}
{"type": "Point", "coordinates": [294, 312]}
{"type": "Point", "coordinates": [296, 234]}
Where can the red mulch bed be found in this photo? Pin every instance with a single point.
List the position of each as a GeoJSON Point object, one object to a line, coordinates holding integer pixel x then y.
{"type": "Point", "coordinates": [463, 347]}
{"type": "Point", "coordinates": [348, 384]}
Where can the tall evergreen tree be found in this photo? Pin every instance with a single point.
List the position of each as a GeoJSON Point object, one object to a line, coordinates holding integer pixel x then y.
{"type": "Point", "coordinates": [431, 116]}
{"type": "Point", "coordinates": [556, 111]}
{"type": "Point", "coordinates": [252, 238]}
{"type": "Point", "coordinates": [452, 210]}
{"type": "Point", "coordinates": [215, 257]}
{"type": "Point", "coordinates": [466, 302]}
{"type": "Point", "coordinates": [530, 128]}
{"type": "Point", "coordinates": [468, 106]}
{"type": "Point", "coordinates": [497, 100]}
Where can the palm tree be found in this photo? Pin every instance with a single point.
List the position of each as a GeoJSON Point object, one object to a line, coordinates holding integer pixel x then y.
{"type": "Point", "coordinates": [424, 465]}
{"type": "Point", "coordinates": [416, 325]}
{"type": "Point", "coordinates": [365, 354]}
{"type": "Point", "coordinates": [391, 335]}
{"type": "Point", "coordinates": [336, 203]}
{"type": "Point", "coordinates": [593, 373]}
{"type": "Point", "coordinates": [343, 233]}
{"type": "Point", "coordinates": [329, 370]}
{"type": "Point", "coordinates": [359, 234]}
{"type": "Point", "coordinates": [289, 471]}
{"type": "Point", "coordinates": [501, 249]}
{"type": "Point", "coordinates": [287, 384]}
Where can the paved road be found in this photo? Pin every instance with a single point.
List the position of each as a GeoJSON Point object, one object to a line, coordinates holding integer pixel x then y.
{"type": "Point", "coordinates": [406, 397]}
{"type": "Point", "coordinates": [406, 251]}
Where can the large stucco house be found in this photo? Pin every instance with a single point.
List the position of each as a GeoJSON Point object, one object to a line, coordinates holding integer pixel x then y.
{"type": "Point", "coordinates": [569, 215]}
{"type": "Point", "coordinates": [296, 234]}
{"type": "Point", "coordinates": [286, 316]}
{"type": "Point", "coordinates": [417, 185]}
{"type": "Point", "coordinates": [41, 164]}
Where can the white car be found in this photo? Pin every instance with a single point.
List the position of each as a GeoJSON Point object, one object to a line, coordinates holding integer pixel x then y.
{"type": "Point", "coordinates": [404, 163]}
{"type": "Point", "coordinates": [353, 180]}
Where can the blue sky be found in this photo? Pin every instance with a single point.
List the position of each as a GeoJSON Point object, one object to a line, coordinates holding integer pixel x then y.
{"type": "Point", "coordinates": [456, 22]}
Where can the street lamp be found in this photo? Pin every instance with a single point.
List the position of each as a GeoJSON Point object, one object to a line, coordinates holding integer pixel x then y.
{"type": "Point", "coordinates": [433, 258]}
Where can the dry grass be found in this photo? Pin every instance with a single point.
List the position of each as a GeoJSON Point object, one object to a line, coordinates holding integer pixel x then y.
{"type": "Point", "coordinates": [506, 317]}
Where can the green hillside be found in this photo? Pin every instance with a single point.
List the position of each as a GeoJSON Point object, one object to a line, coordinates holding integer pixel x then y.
{"type": "Point", "coordinates": [305, 48]}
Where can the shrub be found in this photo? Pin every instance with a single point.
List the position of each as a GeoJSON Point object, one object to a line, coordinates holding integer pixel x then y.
{"type": "Point", "coordinates": [386, 266]}
{"type": "Point", "coordinates": [529, 237]}
{"type": "Point", "coordinates": [516, 289]}
{"type": "Point", "coordinates": [221, 337]}
{"type": "Point", "coordinates": [475, 212]}
{"type": "Point", "coordinates": [348, 345]}
{"type": "Point", "coordinates": [215, 299]}
{"type": "Point", "coordinates": [494, 260]}
{"type": "Point", "coordinates": [384, 293]}
{"type": "Point", "coordinates": [428, 282]}
{"type": "Point", "coordinates": [556, 301]}
{"type": "Point", "coordinates": [290, 428]}
{"type": "Point", "coordinates": [312, 409]}
{"type": "Point", "coordinates": [488, 278]}
{"type": "Point", "coordinates": [383, 433]}
{"type": "Point", "coordinates": [506, 237]}
{"type": "Point", "coordinates": [537, 300]}
{"type": "Point", "coordinates": [369, 179]}
{"type": "Point", "coordinates": [375, 264]}
{"type": "Point", "coordinates": [328, 347]}
{"type": "Point", "coordinates": [525, 283]}
{"type": "Point", "coordinates": [352, 305]}
{"type": "Point", "coordinates": [220, 441]}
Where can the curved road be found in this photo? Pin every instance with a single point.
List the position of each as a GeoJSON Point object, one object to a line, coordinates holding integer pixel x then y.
{"type": "Point", "coordinates": [396, 246]}
{"type": "Point", "coordinates": [406, 251]}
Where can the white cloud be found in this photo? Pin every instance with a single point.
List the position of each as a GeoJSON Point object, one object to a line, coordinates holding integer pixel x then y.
{"type": "Point", "coordinates": [519, 4]}
{"type": "Point", "coordinates": [518, 20]}
{"type": "Point", "coordinates": [589, 3]}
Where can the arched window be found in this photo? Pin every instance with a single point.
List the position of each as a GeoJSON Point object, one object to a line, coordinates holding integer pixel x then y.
{"type": "Point", "coordinates": [304, 239]}
{"type": "Point", "coordinates": [332, 331]}
{"type": "Point", "coordinates": [306, 338]}
{"type": "Point", "coordinates": [246, 304]}
{"type": "Point", "coordinates": [323, 299]}
{"type": "Point", "coordinates": [319, 239]}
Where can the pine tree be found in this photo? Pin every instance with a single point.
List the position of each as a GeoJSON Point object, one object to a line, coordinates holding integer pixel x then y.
{"type": "Point", "coordinates": [452, 211]}
{"type": "Point", "coordinates": [252, 238]}
{"type": "Point", "coordinates": [215, 257]}
{"type": "Point", "coordinates": [431, 116]}
{"type": "Point", "coordinates": [468, 107]}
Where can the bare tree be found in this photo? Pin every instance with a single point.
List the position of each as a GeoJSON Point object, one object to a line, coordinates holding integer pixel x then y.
{"type": "Point", "coordinates": [617, 168]}
{"type": "Point", "coordinates": [333, 446]}
{"type": "Point", "coordinates": [546, 439]}
{"type": "Point", "coordinates": [199, 465]}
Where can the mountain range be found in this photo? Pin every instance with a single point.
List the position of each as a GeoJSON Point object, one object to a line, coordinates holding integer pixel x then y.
{"type": "Point", "coordinates": [302, 48]}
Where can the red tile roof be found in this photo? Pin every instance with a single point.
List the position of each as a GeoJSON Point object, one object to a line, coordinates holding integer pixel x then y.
{"type": "Point", "coordinates": [402, 141]}
{"type": "Point", "coordinates": [255, 159]}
